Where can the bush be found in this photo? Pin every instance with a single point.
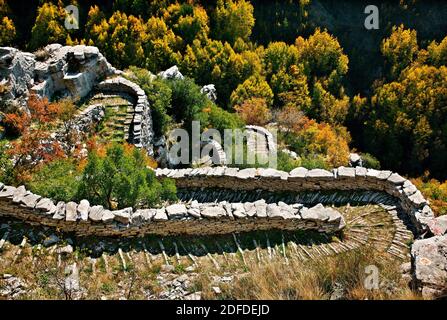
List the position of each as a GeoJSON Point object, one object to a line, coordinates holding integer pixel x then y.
{"type": "Point", "coordinates": [286, 163]}
{"type": "Point", "coordinates": [314, 162]}
{"type": "Point", "coordinates": [6, 166]}
{"type": "Point", "coordinates": [159, 96]}
{"type": "Point", "coordinates": [187, 100]}
{"type": "Point", "coordinates": [121, 179]}
{"type": "Point", "coordinates": [369, 161]}
{"type": "Point", "coordinates": [253, 87]}
{"type": "Point", "coordinates": [435, 191]}
{"type": "Point", "coordinates": [219, 119]}
{"type": "Point", "coordinates": [58, 180]}
{"type": "Point", "coordinates": [254, 111]}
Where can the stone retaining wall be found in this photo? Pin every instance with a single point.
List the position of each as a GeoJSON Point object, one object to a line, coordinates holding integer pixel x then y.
{"type": "Point", "coordinates": [141, 129]}
{"type": "Point", "coordinates": [301, 179]}
{"type": "Point", "coordinates": [177, 219]}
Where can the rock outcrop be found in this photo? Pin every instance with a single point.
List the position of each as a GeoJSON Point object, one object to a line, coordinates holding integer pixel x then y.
{"type": "Point", "coordinates": [171, 73]}
{"type": "Point", "coordinates": [67, 70]}
{"type": "Point", "coordinates": [429, 260]}
{"type": "Point", "coordinates": [210, 91]}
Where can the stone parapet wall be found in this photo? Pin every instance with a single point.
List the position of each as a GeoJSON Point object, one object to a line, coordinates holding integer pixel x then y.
{"type": "Point", "coordinates": [141, 128]}
{"type": "Point", "coordinates": [301, 179]}
{"type": "Point", "coordinates": [177, 219]}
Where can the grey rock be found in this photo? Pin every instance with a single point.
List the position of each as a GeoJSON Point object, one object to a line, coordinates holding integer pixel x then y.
{"type": "Point", "coordinates": [355, 160]}
{"type": "Point", "coordinates": [345, 172]}
{"type": "Point", "coordinates": [46, 205]}
{"type": "Point", "coordinates": [360, 171]}
{"type": "Point", "coordinates": [96, 213]}
{"type": "Point", "coordinates": [246, 173]}
{"type": "Point", "coordinates": [123, 216]}
{"type": "Point", "coordinates": [273, 211]}
{"type": "Point", "coordinates": [7, 192]}
{"type": "Point", "coordinates": [68, 249]}
{"type": "Point", "coordinates": [238, 210]}
{"type": "Point", "coordinates": [319, 213]}
{"type": "Point", "coordinates": [176, 211]}
{"type": "Point", "coordinates": [60, 211]}
{"type": "Point", "coordinates": [429, 258]}
{"type": "Point", "coordinates": [319, 174]}
{"type": "Point", "coordinates": [194, 212]}
{"type": "Point", "coordinates": [83, 209]}
{"type": "Point", "coordinates": [71, 213]}
{"type": "Point", "coordinates": [146, 214]}
{"type": "Point", "coordinates": [396, 179]}
{"type": "Point", "coordinates": [171, 73]}
{"type": "Point", "coordinates": [210, 91]}
{"type": "Point", "coordinates": [160, 215]}
{"type": "Point", "coordinates": [107, 216]}
{"type": "Point", "coordinates": [438, 226]}
{"type": "Point", "coordinates": [372, 173]}
{"type": "Point", "coordinates": [273, 173]}
{"type": "Point", "coordinates": [418, 199]}
{"type": "Point", "coordinates": [72, 278]}
{"type": "Point", "coordinates": [261, 208]}
{"type": "Point", "coordinates": [299, 172]}
{"type": "Point", "coordinates": [213, 212]}
{"type": "Point", "coordinates": [250, 209]}
{"type": "Point", "coordinates": [30, 200]}
{"type": "Point", "coordinates": [384, 175]}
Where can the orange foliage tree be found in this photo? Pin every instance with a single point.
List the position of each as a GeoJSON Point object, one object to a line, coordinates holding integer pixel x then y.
{"type": "Point", "coordinates": [254, 111]}
{"type": "Point", "coordinates": [35, 144]}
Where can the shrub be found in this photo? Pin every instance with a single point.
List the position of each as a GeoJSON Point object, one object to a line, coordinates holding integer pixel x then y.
{"type": "Point", "coordinates": [187, 100]}
{"type": "Point", "coordinates": [253, 87]}
{"type": "Point", "coordinates": [159, 95]}
{"type": "Point", "coordinates": [435, 191]}
{"type": "Point", "coordinates": [219, 119]}
{"type": "Point", "coordinates": [286, 163]}
{"type": "Point", "coordinates": [121, 179]}
{"type": "Point", "coordinates": [314, 162]}
{"type": "Point", "coordinates": [318, 142]}
{"type": "Point", "coordinates": [369, 161]}
{"type": "Point", "coordinates": [58, 180]}
{"type": "Point", "coordinates": [254, 111]}
{"type": "Point", "coordinates": [6, 166]}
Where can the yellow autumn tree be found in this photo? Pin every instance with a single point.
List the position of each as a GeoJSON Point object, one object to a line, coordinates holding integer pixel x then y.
{"type": "Point", "coordinates": [187, 21]}
{"type": "Point", "coordinates": [400, 49]}
{"type": "Point", "coordinates": [49, 26]}
{"type": "Point", "coordinates": [233, 19]}
{"type": "Point", "coordinates": [7, 27]}
{"type": "Point", "coordinates": [253, 87]}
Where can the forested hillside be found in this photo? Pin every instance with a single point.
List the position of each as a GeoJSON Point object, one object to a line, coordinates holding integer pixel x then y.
{"type": "Point", "coordinates": [307, 64]}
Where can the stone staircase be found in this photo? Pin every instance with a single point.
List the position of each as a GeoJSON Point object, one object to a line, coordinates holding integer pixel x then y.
{"type": "Point", "coordinates": [117, 122]}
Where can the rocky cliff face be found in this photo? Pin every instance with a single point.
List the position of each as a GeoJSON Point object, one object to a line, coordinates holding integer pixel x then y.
{"type": "Point", "coordinates": [65, 70]}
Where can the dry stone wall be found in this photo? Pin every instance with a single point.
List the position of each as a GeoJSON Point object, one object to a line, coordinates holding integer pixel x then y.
{"type": "Point", "coordinates": [176, 219]}
{"type": "Point", "coordinates": [141, 134]}
{"type": "Point", "coordinates": [301, 179]}
{"type": "Point", "coordinates": [428, 253]}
